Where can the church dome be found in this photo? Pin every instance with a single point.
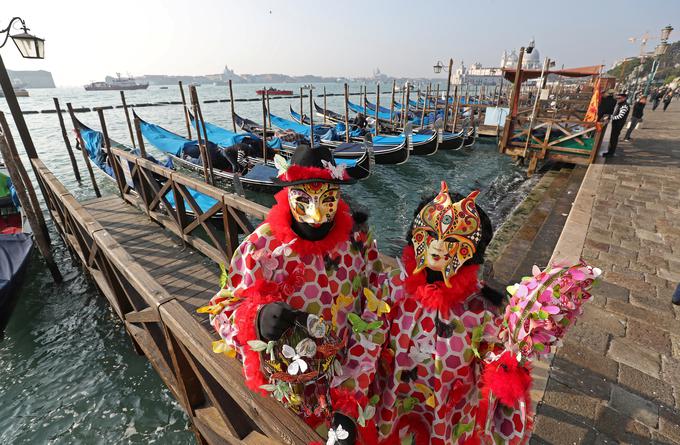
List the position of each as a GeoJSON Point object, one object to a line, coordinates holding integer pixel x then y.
{"type": "Point", "coordinates": [533, 60]}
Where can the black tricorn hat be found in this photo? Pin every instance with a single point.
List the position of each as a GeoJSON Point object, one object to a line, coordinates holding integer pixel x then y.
{"type": "Point", "coordinates": [309, 165]}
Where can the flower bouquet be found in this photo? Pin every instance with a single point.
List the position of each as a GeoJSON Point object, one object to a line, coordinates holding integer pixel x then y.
{"type": "Point", "coordinates": [300, 366]}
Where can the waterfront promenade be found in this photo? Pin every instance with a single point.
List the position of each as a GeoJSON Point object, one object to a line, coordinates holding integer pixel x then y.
{"type": "Point", "coordinates": [616, 379]}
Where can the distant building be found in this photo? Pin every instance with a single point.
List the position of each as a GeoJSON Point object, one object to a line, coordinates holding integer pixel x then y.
{"type": "Point", "coordinates": [32, 79]}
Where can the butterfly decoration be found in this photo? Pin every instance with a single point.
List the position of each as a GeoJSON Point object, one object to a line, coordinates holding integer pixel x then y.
{"type": "Point", "coordinates": [360, 326]}
{"type": "Point", "coordinates": [306, 348]}
{"type": "Point", "coordinates": [342, 301]}
{"type": "Point", "coordinates": [410, 375]}
{"type": "Point", "coordinates": [260, 346]}
{"type": "Point", "coordinates": [337, 434]}
{"type": "Point", "coordinates": [337, 171]}
{"type": "Point", "coordinates": [376, 306]}
{"type": "Point", "coordinates": [279, 390]}
{"type": "Point", "coordinates": [281, 164]}
{"type": "Point", "coordinates": [365, 414]}
{"type": "Point", "coordinates": [268, 264]}
{"type": "Point", "coordinates": [331, 264]}
{"type": "Point", "coordinates": [221, 347]}
{"type": "Point", "coordinates": [402, 270]}
{"type": "Point", "coordinates": [284, 249]}
{"type": "Point", "coordinates": [444, 330]}
{"type": "Point", "coordinates": [213, 309]}
{"type": "Point", "coordinates": [428, 393]}
{"type": "Point", "coordinates": [316, 326]}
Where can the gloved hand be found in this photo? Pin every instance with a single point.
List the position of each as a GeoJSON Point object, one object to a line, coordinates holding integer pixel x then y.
{"type": "Point", "coordinates": [344, 430]}
{"type": "Point", "coordinates": [274, 319]}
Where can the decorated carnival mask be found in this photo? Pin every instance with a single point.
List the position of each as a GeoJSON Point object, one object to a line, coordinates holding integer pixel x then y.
{"type": "Point", "coordinates": [314, 203]}
{"type": "Point", "coordinates": [445, 233]}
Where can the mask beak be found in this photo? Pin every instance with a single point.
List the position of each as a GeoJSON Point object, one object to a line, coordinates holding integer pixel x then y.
{"type": "Point", "coordinates": [315, 214]}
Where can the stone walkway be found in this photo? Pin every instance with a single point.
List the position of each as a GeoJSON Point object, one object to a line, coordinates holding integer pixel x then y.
{"type": "Point", "coordinates": [617, 377]}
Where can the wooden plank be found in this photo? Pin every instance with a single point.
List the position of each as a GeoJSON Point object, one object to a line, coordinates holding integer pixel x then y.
{"type": "Point", "coordinates": [144, 340]}
{"type": "Point", "coordinates": [148, 315]}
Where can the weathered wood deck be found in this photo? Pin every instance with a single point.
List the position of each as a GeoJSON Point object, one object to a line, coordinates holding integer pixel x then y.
{"type": "Point", "coordinates": [156, 264]}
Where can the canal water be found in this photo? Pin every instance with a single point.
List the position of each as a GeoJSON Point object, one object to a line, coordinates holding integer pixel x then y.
{"type": "Point", "coordinates": [68, 373]}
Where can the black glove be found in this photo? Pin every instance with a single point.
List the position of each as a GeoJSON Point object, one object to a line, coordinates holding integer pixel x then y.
{"type": "Point", "coordinates": [274, 319]}
{"type": "Point", "coordinates": [347, 425]}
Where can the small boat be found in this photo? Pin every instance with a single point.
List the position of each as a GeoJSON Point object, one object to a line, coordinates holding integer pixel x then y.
{"type": "Point", "coordinates": [358, 166]}
{"type": "Point", "coordinates": [385, 151]}
{"type": "Point", "coordinates": [18, 92]}
{"type": "Point", "coordinates": [274, 92]}
{"type": "Point", "coordinates": [16, 245]}
{"type": "Point", "coordinates": [117, 83]}
{"type": "Point", "coordinates": [163, 88]}
{"type": "Point", "coordinates": [185, 152]}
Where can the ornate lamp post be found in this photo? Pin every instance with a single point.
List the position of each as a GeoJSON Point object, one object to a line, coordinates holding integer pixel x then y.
{"type": "Point", "coordinates": [659, 51]}
{"type": "Point", "coordinates": [30, 47]}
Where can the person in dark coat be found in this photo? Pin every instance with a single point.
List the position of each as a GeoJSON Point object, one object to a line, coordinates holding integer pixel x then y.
{"type": "Point", "coordinates": [667, 99]}
{"type": "Point", "coordinates": [360, 120]}
{"type": "Point", "coordinates": [637, 113]}
{"type": "Point", "coordinates": [656, 98]}
{"type": "Point", "coordinates": [607, 104]}
{"type": "Point", "coordinates": [618, 119]}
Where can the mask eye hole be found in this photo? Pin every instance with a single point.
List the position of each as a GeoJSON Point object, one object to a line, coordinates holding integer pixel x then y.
{"type": "Point", "coordinates": [432, 234]}
{"type": "Point", "coordinates": [303, 199]}
{"type": "Point", "coordinates": [329, 200]}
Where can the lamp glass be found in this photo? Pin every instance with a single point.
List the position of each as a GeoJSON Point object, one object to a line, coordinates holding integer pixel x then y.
{"type": "Point", "coordinates": [437, 68]}
{"type": "Point", "coordinates": [30, 47]}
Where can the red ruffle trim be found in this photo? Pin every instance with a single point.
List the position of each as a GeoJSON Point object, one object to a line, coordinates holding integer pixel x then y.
{"type": "Point", "coordinates": [437, 296]}
{"type": "Point", "coordinates": [297, 172]}
{"type": "Point", "coordinates": [346, 402]}
{"type": "Point", "coordinates": [414, 424]}
{"type": "Point", "coordinates": [259, 294]}
{"type": "Point", "coordinates": [280, 221]}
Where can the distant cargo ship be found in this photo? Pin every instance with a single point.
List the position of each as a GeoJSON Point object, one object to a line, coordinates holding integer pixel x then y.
{"type": "Point", "coordinates": [118, 83]}
{"type": "Point", "coordinates": [274, 92]}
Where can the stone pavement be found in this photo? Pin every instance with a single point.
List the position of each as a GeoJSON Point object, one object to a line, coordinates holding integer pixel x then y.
{"type": "Point", "coordinates": [616, 379]}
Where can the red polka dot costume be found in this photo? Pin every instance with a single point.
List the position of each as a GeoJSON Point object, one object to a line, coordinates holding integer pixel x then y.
{"type": "Point", "coordinates": [327, 277]}
{"type": "Point", "coordinates": [442, 333]}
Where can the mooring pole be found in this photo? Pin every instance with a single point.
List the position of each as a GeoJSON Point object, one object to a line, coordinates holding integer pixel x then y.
{"type": "Point", "coordinates": [138, 130]}
{"type": "Point", "coordinates": [324, 105]}
{"type": "Point", "coordinates": [346, 113]}
{"type": "Point", "coordinates": [407, 95]}
{"type": "Point", "coordinates": [422, 114]}
{"type": "Point", "coordinates": [456, 107]}
{"type": "Point", "coordinates": [301, 105]}
{"type": "Point", "coordinates": [127, 118]}
{"type": "Point", "coordinates": [202, 138]}
{"type": "Point", "coordinates": [186, 110]}
{"type": "Point", "coordinates": [264, 127]}
{"type": "Point", "coordinates": [231, 104]}
{"type": "Point", "coordinates": [311, 119]}
{"type": "Point", "coordinates": [448, 93]}
{"type": "Point", "coordinates": [109, 154]}
{"type": "Point", "coordinates": [67, 141]}
{"type": "Point", "coordinates": [377, 108]}
{"type": "Point", "coordinates": [394, 84]}
{"type": "Point", "coordinates": [83, 150]}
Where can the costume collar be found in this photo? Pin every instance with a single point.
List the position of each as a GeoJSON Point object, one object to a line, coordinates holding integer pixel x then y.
{"type": "Point", "coordinates": [437, 296]}
{"type": "Point", "coordinates": [280, 222]}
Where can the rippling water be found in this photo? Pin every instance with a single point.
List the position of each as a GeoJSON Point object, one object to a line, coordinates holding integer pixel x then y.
{"type": "Point", "coordinates": [67, 371]}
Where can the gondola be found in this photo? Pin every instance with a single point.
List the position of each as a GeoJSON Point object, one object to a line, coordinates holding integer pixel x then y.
{"type": "Point", "coordinates": [358, 164]}
{"type": "Point", "coordinates": [184, 151]}
{"type": "Point", "coordinates": [385, 151]}
{"type": "Point", "coordinates": [93, 140]}
{"type": "Point", "coordinates": [424, 143]}
{"type": "Point", "coordinates": [16, 245]}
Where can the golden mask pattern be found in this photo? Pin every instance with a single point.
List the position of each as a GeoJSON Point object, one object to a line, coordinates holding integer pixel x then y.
{"type": "Point", "coordinates": [445, 233]}
{"type": "Point", "coordinates": [314, 203]}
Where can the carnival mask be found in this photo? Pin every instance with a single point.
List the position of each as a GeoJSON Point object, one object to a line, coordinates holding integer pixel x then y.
{"type": "Point", "coordinates": [314, 203]}
{"type": "Point", "coordinates": [445, 234]}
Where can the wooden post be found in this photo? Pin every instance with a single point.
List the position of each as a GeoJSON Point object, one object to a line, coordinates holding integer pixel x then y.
{"type": "Point", "coordinates": [407, 94]}
{"type": "Point", "coordinates": [394, 85]}
{"type": "Point", "coordinates": [311, 119]}
{"type": "Point", "coordinates": [363, 102]}
{"type": "Point", "coordinates": [346, 113]}
{"type": "Point", "coordinates": [301, 104]}
{"type": "Point", "coordinates": [546, 64]}
{"type": "Point", "coordinates": [138, 129]}
{"type": "Point", "coordinates": [109, 155]}
{"type": "Point", "coordinates": [264, 128]}
{"type": "Point", "coordinates": [324, 105]}
{"type": "Point", "coordinates": [203, 148]}
{"type": "Point", "coordinates": [27, 197]}
{"type": "Point", "coordinates": [127, 117]}
{"type": "Point", "coordinates": [269, 115]}
{"type": "Point", "coordinates": [377, 108]}
{"type": "Point", "coordinates": [231, 103]}
{"type": "Point", "coordinates": [83, 150]}
{"type": "Point", "coordinates": [67, 141]}
{"type": "Point", "coordinates": [448, 93]}
{"type": "Point", "coordinates": [456, 108]}
{"type": "Point", "coordinates": [436, 101]}
{"type": "Point", "coordinates": [422, 113]}
{"type": "Point", "coordinates": [200, 121]}
{"type": "Point", "coordinates": [186, 110]}
{"type": "Point", "coordinates": [513, 105]}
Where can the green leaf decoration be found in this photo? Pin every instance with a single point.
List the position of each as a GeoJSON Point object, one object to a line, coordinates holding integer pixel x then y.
{"type": "Point", "coordinates": [268, 387]}
{"type": "Point", "coordinates": [224, 276]}
{"type": "Point", "coordinates": [409, 403]}
{"type": "Point", "coordinates": [543, 315]}
{"type": "Point", "coordinates": [257, 345]}
{"type": "Point", "coordinates": [539, 347]}
{"type": "Point", "coordinates": [461, 429]}
{"type": "Point", "coordinates": [374, 400]}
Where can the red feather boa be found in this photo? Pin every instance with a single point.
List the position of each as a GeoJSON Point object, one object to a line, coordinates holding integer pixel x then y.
{"type": "Point", "coordinates": [346, 402]}
{"type": "Point", "coordinates": [280, 221]}
{"type": "Point", "coordinates": [437, 296]}
{"type": "Point", "coordinates": [256, 296]}
{"type": "Point", "coordinates": [297, 172]}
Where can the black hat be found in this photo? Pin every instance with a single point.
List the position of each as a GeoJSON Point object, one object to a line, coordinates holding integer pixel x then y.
{"type": "Point", "coordinates": [312, 165]}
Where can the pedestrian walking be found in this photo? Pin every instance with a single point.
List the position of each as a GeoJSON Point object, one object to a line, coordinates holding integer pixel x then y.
{"type": "Point", "coordinates": [638, 110]}
{"type": "Point", "coordinates": [618, 119]}
{"type": "Point", "coordinates": [656, 98]}
{"type": "Point", "coordinates": [667, 99]}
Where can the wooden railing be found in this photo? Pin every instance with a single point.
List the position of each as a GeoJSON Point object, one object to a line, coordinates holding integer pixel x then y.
{"type": "Point", "coordinates": [209, 386]}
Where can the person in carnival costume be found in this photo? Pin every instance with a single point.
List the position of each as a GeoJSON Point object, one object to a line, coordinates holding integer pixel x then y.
{"type": "Point", "coordinates": [302, 289]}
{"type": "Point", "coordinates": [456, 371]}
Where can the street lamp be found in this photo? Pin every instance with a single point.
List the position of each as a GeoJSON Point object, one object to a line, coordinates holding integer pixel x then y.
{"type": "Point", "coordinates": [438, 67]}
{"type": "Point", "coordinates": [659, 51]}
{"type": "Point", "coordinates": [30, 47]}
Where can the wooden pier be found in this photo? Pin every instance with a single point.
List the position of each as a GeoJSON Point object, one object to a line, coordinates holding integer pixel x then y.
{"type": "Point", "coordinates": [156, 263]}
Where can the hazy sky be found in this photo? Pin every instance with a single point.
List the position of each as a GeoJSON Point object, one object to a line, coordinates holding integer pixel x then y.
{"type": "Point", "coordinates": [88, 39]}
